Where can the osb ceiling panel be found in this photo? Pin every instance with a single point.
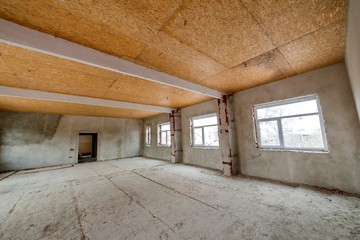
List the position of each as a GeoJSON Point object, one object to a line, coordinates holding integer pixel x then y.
{"type": "Point", "coordinates": [31, 105]}
{"type": "Point", "coordinates": [226, 45]}
{"type": "Point", "coordinates": [223, 30]}
{"type": "Point", "coordinates": [321, 48]}
{"type": "Point", "coordinates": [167, 54]}
{"type": "Point", "coordinates": [263, 69]}
{"type": "Point", "coordinates": [32, 70]}
{"type": "Point", "coordinates": [117, 27]}
{"type": "Point", "coordinates": [286, 20]}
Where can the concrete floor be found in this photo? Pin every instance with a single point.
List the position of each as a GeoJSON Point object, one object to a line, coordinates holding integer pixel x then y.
{"type": "Point", "coordinates": [140, 198]}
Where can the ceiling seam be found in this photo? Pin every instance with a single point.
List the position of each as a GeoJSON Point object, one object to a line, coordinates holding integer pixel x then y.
{"type": "Point", "coordinates": [195, 48]}
{"type": "Point", "coordinates": [177, 10]}
{"type": "Point", "coordinates": [292, 67]}
{"type": "Point", "coordinates": [109, 88]}
{"type": "Point", "coordinates": [270, 39]}
{"type": "Point", "coordinates": [305, 35]}
{"type": "Point", "coordinates": [263, 30]}
{"type": "Point", "coordinates": [244, 62]}
{"type": "Point", "coordinates": [314, 31]}
{"type": "Point", "coordinates": [160, 28]}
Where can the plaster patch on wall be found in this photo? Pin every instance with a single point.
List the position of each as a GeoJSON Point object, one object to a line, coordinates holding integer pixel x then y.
{"type": "Point", "coordinates": [39, 128]}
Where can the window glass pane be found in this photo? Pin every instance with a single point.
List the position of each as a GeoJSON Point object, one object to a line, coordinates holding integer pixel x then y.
{"type": "Point", "coordinates": [165, 127]}
{"type": "Point", "coordinates": [197, 136]}
{"type": "Point", "coordinates": [148, 135]}
{"type": "Point", "coordinates": [163, 138]}
{"type": "Point", "coordinates": [168, 138]}
{"type": "Point", "coordinates": [302, 132]}
{"type": "Point", "coordinates": [205, 121]}
{"type": "Point", "coordinates": [269, 133]}
{"type": "Point", "coordinates": [305, 107]}
{"type": "Point", "coordinates": [211, 136]}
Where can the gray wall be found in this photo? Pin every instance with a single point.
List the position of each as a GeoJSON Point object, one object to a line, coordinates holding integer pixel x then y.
{"type": "Point", "coordinates": [155, 151]}
{"type": "Point", "coordinates": [210, 158]}
{"type": "Point", "coordinates": [353, 49]}
{"type": "Point", "coordinates": [340, 168]}
{"type": "Point", "coordinates": [31, 140]}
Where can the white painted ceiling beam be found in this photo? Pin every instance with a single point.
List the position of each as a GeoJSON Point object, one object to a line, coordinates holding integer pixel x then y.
{"type": "Point", "coordinates": [65, 98]}
{"type": "Point", "coordinates": [17, 35]}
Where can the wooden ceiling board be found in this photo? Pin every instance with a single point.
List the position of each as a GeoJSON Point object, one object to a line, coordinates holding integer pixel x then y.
{"type": "Point", "coordinates": [120, 28]}
{"type": "Point", "coordinates": [286, 20]}
{"type": "Point", "coordinates": [141, 18]}
{"type": "Point", "coordinates": [160, 95]}
{"type": "Point", "coordinates": [42, 72]}
{"type": "Point", "coordinates": [227, 45]}
{"type": "Point", "coordinates": [263, 69]}
{"type": "Point", "coordinates": [31, 105]}
{"type": "Point", "coordinates": [318, 49]}
{"type": "Point", "coordinates": [222, 30]}
{"type": "Point", "coordinates": [167, 54]}
{"type": "Point", "coordinates": [6, 75]}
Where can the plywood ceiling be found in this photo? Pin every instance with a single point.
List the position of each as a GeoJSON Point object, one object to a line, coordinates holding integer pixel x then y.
{"type": "Point", "coordinates": [27, 69]}
{"type": "Point", "coordinates": [226, 45]}
{"type": "Point", "coordinates": [32, 105]}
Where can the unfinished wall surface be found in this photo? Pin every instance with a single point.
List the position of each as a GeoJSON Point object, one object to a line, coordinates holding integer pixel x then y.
{"type": "Point", "coordinates": [340, 168]}
{"type": "Point", "coordinates": [31, 140]}
{"type": "Point", "coordinates": [352, 56]}
{"type": "Point", "coordinates": [155, 151]}
{"type": "Point", "coordinates": [204, 157]}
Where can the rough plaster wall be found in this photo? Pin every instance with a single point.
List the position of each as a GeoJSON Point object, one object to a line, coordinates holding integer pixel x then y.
{"type": "Point", "coordinates": [155, 151]}
{"type": "Point", "coordinates": [210, 158]}
{"type": "Point", "coordinates": [352, 56]}
{"type": "Point", "coordinates": [340, 168]}
{"type": "Point", "coordinates": [30, 140]}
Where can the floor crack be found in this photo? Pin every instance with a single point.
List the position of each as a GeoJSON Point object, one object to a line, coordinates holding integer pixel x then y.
{"type": "Point", "coordinates": [138, 202]}
{"type": "Point", "coordinates": [173, 189]}
{"type": "Point", "coordinates": [78, 214]}
{"type": "Point", "coordinates": [13, 207]}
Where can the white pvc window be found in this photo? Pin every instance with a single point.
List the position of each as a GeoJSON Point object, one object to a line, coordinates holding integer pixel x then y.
{"type": "Point", "coordinates": [147, 136]}
{"type": "Point", "coordinates": [291, 124]}
{"type": "Point", "coordinates": [204, 131]}
{"type": "Point", "coordinates": [164, 138]}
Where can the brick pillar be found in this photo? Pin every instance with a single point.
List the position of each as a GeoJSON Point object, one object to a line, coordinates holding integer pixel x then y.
{"type": "Point", "coordinates": [176, 138]}
{"type": "Point", "coordinates": [227, 136]}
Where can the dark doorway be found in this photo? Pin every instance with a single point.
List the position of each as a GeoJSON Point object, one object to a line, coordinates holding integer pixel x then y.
{"type": "Point", "coordinates": [87, 147]}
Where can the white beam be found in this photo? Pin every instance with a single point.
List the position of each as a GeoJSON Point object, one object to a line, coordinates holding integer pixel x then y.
{"type": "Point", "coordinates": [58, 97]}
{"type": "Point", "coordinates": [17, 35]}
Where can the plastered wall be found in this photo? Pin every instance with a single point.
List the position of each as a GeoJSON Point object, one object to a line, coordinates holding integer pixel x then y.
{"type": "Point", "coordinates": [31, 140]}
{"type": "Point", "coordinates": [155, 151]}
{"type": "Point", "coordinates": [210, 158]}
{"type": "Point", "coordinates": [340, 168]}
{"type": "Point", "coordinates": [352, 55]}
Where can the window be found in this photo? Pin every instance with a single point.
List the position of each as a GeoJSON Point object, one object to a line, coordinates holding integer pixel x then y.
{"type": "Point", "coordinates": [147, 136]}
{"type": "Point", "coordinates": [164, 138]}
{"type": "Point", "coordinates": [204, 131]}
{"type": "Point", "coordinates": [292, 124]}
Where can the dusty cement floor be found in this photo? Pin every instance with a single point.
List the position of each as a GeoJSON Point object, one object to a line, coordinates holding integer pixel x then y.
{"type": "Point", "coordinates": [140, 198]}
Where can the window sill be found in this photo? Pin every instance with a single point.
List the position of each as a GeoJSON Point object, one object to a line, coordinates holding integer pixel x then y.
{"type": "Point", "coordinates": [207, 148]}
{"type": "Point", "coordinates": [293, 150]}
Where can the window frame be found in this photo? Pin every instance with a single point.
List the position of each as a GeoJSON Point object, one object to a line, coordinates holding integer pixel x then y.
{"type": "Point", "coordinates": [281, 146]}
{"type": "Point", "coordinates": [159, 135]}
{"type": "Point", "coordinates": [192, 141]}
{"type": "Point", "coordinates": [147, 136]}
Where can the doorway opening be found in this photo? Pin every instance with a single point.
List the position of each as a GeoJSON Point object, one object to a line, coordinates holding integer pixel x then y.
{"type": "Point", "coordinates": [87, 147]}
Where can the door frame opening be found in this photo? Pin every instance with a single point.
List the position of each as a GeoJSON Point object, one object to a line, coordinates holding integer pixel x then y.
{"type": "Point", "coordinates": [93, 155]}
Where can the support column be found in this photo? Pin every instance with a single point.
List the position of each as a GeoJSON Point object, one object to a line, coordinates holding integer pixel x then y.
{"type": "Point", "coordinates": [227, 136]}
{"type": "Point", "coordinates": [176, 138]}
